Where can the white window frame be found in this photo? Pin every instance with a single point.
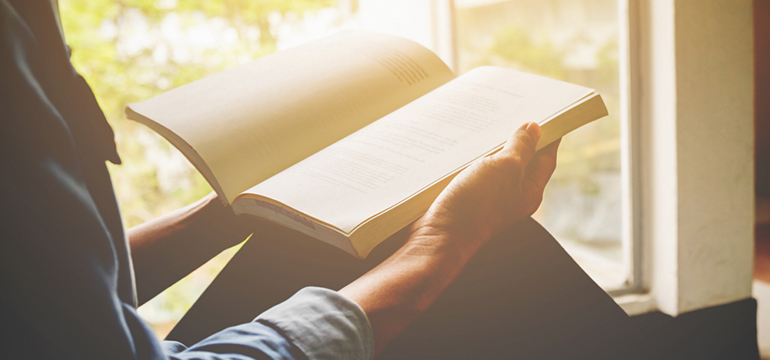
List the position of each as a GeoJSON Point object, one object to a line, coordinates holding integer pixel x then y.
{"type": "Point", "coordinates": [688, 91]}
{"type": "Point", "coordinates": [687, 125]}
{"type": "Point", "coordinates": [691, 93]}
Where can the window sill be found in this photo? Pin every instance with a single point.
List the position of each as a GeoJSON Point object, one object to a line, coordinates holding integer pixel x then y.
{"type": "Point", "coordinates": [636, 304]}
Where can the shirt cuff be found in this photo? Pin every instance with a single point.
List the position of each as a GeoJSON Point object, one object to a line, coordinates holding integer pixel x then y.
{"type": "Point", "coordinates": [323, 324]}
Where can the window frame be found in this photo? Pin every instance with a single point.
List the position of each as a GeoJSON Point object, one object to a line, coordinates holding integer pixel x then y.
{"type": "Point", "coordinates": [695, 232]}
{"type": "Point", "coordinates": [628, 48]}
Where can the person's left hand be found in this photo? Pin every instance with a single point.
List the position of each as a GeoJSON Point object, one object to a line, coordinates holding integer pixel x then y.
{"type": "Point", "coordinates": [167, 248]}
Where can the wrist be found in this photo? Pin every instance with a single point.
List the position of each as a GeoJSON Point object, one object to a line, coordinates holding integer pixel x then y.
{"type": "Point", "coordinates": [447, 235]}
{"type": "Point", "coordinates": [442, 243]}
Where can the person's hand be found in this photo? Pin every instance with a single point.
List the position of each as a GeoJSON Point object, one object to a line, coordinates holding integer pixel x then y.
{"type": "Point", "coordinates": [167, 248]}
{"type": "Point", "coordinates": [493, 193]}
{"type": "Point", "coordinates": [226, 228]}
{"type": "Point", "coordinates": [481, 201]}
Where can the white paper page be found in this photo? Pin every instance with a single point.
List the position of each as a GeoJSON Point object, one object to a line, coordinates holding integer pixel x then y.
{"type": "Point", "coordinates": [393, 158]}
{"type": "Point", "coordinates": [253, 121]}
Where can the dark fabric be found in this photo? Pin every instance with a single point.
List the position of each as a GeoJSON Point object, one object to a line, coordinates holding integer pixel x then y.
{"type": "Point", "coordinates": [724, 332]}
{"type": "Point", "coordinates": [66, 272]}
{"type": "Point", "coordinates": [65, 269]}
{"type": "Point", "coordinates": [521, 297]}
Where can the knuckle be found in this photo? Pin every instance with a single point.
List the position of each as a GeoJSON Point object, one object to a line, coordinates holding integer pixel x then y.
{"type": "Point", "coordinates": [528, 140]}
{"type": "Point", "coordinates": [509, 165]}
{"type": "Point", "coordinates": [547, 163]}
{"type": "Point", "coordinates": [509, 161]}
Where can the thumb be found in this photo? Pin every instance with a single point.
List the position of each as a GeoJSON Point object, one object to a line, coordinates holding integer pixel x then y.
{"type": "Point", "coordinates": [523, 142]}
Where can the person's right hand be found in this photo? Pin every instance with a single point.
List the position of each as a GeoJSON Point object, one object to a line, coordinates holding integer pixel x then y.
{"type": "Point", "coordinates": [491, 194]}
{"type": "Point", "coordinates": [478, 203]}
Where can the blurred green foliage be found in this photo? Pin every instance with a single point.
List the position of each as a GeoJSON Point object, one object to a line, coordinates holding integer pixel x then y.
{"type": "Point", "coordinates": [591, 149]}
{"type": "Point", "coordinates": [515, 46]}
{"type": "Point", "coordinates": [101, 33]}
{"type": "Point", "coordinates": [576, 42]}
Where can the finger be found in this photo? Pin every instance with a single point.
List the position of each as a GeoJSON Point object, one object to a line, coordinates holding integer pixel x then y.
{"type": "Point", "coordinates": [551, 149]}
{"type": "Point", "coordinates": [523, 142]}
{"type": "Point", "coordinates": [542, 166]}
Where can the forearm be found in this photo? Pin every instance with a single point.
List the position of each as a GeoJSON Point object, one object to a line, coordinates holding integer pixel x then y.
{"type": "Point", "coordinates": [395, 292]}
{"type": "Point", "coordinates": [166, 249]}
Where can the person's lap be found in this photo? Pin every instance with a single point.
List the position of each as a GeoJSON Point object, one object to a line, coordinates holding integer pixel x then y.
{"type": "Point", "coordinates": [521, 296]}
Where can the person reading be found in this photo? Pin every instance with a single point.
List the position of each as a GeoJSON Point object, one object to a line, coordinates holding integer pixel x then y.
{"type": "Point", "coordinates": [72, 278]}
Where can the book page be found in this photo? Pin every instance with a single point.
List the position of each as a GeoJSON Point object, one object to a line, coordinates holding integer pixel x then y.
{"type": "Point", "coordinates": [396, 157]}
{"type": "Point", "coordinates": [248, 123]}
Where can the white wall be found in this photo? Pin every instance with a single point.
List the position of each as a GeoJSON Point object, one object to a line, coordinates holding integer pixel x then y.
{"type": "Point", "coordinates": [696, 110]}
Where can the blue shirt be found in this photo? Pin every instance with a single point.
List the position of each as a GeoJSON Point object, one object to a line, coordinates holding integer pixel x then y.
{"type": "Point", "coordinates": [66, 277]}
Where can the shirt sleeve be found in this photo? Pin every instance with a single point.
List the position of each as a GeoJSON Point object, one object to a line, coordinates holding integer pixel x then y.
{"type": "Point", "coordinates": [315, 323]}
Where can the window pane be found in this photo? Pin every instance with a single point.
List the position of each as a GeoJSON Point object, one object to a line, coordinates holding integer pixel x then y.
{"type": "Point", "coordinates": [574, 41]}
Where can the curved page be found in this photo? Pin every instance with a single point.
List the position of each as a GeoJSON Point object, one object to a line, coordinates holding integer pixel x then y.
{"type": "Point", "coordinates": [251, 122]}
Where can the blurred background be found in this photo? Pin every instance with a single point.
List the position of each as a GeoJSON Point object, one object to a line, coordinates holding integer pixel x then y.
{"type": "Point", "coordinates": [131, 50]}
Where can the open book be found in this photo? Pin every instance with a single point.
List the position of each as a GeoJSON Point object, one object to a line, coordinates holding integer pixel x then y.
{"type": "Point", "coordinates": [350, 138]}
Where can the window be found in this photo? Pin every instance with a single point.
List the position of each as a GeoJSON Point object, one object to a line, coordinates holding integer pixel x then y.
{"type": "Point", "coordinates": [153, 47]}
{"type": "Point", "coordinates": [630, 197]}
{"type": "Point", "coordinates": [573, 41]}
